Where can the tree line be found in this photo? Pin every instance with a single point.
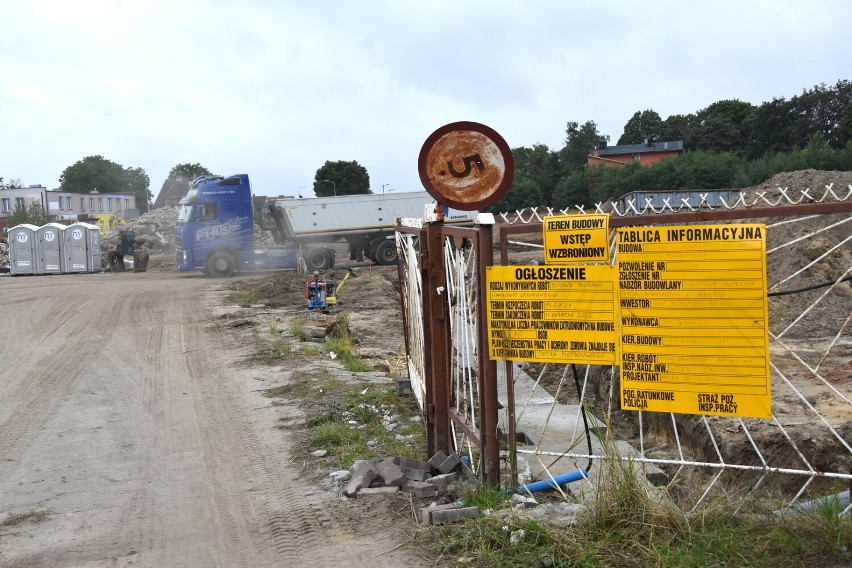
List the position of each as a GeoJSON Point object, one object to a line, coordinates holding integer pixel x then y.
{"type": "Point", "coordinates": [729, 144]}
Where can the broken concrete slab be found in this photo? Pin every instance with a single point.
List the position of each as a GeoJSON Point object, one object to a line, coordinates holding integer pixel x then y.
{"type": "Point", "coordinates": [415, 470]}
{"type": "Point", "coordinates": [420, 489]}
{"type": "Point", "coordinates": [449, 464]}
{"type": "Point", "coordinates": [437, 459]}
{"type": "Point", "coordinates": [340, 475]}
{"type": "Point", "coordinates": [523, 501]}
{"type": "Point", "coordinates": [384, 490]}
{"type": "Point", "coordinates": [453, 515]}
{"type": "Point", "coordinates": [442, 481]}
{"type": "Point", "coordinates": [391, 473]}
{"type": "Point", "coordinates": [363, 474]}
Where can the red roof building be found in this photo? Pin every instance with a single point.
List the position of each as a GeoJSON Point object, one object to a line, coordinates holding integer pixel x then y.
{"type": "Point", "coordinates": [644, 154]}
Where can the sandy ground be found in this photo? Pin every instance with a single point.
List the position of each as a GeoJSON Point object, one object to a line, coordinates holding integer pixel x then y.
{"type": "Point", "coordinates": [129, 436]}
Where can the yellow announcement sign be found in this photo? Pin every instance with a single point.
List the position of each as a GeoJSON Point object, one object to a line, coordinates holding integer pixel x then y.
{"type": "Point", "coordinates": [551, 314]}
{"type": "Point", "coordinates": [693, 320]}
{"type": "Point", "coordinates": [576, 238]}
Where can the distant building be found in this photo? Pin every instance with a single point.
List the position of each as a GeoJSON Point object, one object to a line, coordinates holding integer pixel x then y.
{"type": "Point", "coordinates": [645, 154]}
{"type": "Point", "coordinates": [103, 209]}
{"type": "Point", "coordinates": [173, 190]}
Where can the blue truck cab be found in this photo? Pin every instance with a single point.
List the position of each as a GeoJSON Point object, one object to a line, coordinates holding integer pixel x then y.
{"type": "Point", "coordinates": [215, 230]}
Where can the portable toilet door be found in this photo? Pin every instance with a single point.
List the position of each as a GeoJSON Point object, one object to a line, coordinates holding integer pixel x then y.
{"type": "Point", "coordinates": [49, 248]}
{"type": "Point", "coordinates": [93, 246]}
{"type": "Point", "coordinates": [76, 253]}
{"type": "Point", "coordinates": [22, 249]}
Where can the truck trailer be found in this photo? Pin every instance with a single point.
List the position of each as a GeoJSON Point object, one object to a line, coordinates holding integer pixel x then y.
{"type": "Point", "coordinates": [215, 227]}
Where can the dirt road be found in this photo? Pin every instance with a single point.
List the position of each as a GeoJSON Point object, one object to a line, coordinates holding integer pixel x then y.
{"type": "Point", "coordinates": [128, 437]}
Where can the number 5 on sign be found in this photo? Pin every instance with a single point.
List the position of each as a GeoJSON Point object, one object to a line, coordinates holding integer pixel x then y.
{"type": "Point", "coordinates": [486, 171]}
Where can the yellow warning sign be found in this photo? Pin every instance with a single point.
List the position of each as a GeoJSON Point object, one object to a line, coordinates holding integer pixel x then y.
{"type": "Point", "coordinates": [551, 314]}
{"type": "Point", "coordinates": [576, 238]}
{"type": "Point", "coordinates": [693, 322]}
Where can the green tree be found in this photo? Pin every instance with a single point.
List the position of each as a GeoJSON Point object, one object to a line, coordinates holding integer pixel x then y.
{"type": "Point", "coordinates": [138, 183]}
{"type": "Point", "coordinates": [188, 171]}
{"type": "Point", "coordinates": [33, 214]}
{"type": "Point", "coordinates": [539, 164]}
{"type": "Point", "coordinates": [645, 125]}
{"type": "Point", "coordinates": [94, 172]}
{"type": "Point", "coordinates": [775, 126]}
{"type": "Point", "coordinates": [722, 127]}
{"type": "Point", "coordinates": [844, 128]}
{"type": "Point", "coordinates": [522, 193]}
{"type": "Point", "coordinates": [579, 143]}
{"type": "Point", "coordinates": [105, 176]}
{"type": "Point", "coordinates": [677, 127]}
{"type": "Point", "coordinates": [341, 178]}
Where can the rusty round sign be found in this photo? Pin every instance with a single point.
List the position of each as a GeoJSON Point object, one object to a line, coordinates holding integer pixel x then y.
{"type": "Point", "coordinates": [466, 165]}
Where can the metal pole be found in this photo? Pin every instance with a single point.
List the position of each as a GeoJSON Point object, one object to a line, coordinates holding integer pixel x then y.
{"type": "Point", "coordinates": [437, 338]}
{"type": "Point", "coordinates": [510, 389]}
{"type": "Point", "coordinates": [487, 371]}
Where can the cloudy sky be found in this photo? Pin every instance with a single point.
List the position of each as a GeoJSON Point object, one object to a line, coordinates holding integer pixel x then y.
{"type": "Point", "coordinates": [275, 88]}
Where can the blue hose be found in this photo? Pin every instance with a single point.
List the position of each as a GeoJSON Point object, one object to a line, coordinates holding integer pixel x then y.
{"type": "Point", "coordinates": [555, 482]}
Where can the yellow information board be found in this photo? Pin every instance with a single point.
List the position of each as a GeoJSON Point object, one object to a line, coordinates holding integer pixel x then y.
{"type": "Point", "coordinates": [575, 238]}
{"type": "Point", "coordinates": [693, 320]}
{"type": "Point", "coordinates": [552, 314]}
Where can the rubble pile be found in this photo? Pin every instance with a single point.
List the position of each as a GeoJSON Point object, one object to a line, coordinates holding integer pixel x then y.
{"type": "Point", "coordinates": [155, 231]}
{"type": "Point", "coordinates": [4, 255]}
{"type": "Point", "coordinates": [438, 478]}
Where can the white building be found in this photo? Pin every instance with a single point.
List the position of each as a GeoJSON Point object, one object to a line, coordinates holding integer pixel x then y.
{"type": "Point", "coordinates": [103, 209]}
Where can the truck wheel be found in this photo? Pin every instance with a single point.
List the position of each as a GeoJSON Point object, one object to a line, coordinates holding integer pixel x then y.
{"type": "Point", "coordinates": [221, 265]}
{"type": "Point", "coordinates": [317, 259]}
{"type": "Point", "coordinates": [386, 252]}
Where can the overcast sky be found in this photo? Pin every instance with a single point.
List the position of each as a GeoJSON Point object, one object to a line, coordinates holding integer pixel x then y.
{"type": "Point", "coordinates": [275, 88]}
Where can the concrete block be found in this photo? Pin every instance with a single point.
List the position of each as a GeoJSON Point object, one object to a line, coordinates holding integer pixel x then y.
{"type": "Point", "coordinates": [314, 332]}
{"type": "Point", "coordinates": [420, 489]}
{"type": "Point", "coordinates": [391, 473]}
{"type": "Point", "coordinates": [439, 458]}
{"type": "Point", "coordinates": [449, 464]}
{"type": "Point", "coordinates": [442, 481]}
{"type": "Point", "coordinates": [368, 491]}
{"type": "Point", "coordinates": [416, 474]}
{"type": "Point", "coordinates": [403, 386]}
{"type": "Point", "coordinates": [424, 514]}
{"type": "Point", "coordinates": [363, 473]}
{"type": "Point", "coordinates": [416, 470]}
{"type": "Point", "coordinates": [522, 501]}
{"type": "Point", "coordinates": [453, 515]}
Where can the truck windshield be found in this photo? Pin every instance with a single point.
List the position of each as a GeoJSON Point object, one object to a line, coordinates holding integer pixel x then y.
{"type": "Point", "coordinates": [185, 213]}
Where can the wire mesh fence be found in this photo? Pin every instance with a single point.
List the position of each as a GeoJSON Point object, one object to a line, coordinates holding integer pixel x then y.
{"type": "Point", "coordinates": [559, 419]}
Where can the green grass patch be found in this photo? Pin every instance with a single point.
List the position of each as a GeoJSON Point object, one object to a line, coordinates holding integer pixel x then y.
{"type": "Point", "coordinates": [353, 420]}
{"type": "Point", "coordinates": [245, 298]}
{"type": "Point", "coordinates": [297, 329]}
{"type": "Point", "coordinates": [274, 352]}
{"type": "Point", "coordinates": [342, 347]}
{"type": "Point", "coordinates": [632, 524]}
{"type": "Point", "coordinates": [339, 342]}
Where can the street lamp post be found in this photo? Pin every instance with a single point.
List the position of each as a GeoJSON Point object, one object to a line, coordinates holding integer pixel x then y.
{"type": "Point", "coordinates": [333, 185]}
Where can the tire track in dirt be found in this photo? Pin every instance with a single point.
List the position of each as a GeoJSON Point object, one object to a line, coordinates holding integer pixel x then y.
{"type": "Point", "coordinates": [31, 386]}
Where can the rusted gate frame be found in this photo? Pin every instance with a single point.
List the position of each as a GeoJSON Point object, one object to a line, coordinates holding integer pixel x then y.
{"type": "Point", "coordinates": [651, 219]}
{"type": "Point", "coordinates": [437, 346]}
